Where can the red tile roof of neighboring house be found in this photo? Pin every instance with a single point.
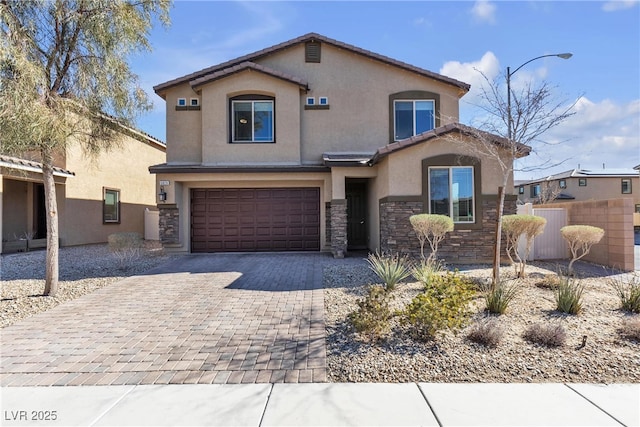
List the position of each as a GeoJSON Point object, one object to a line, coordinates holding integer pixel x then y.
{"type": "Point", "coordinates": [248, 66]}
{"type": "Point", "coordinates": [464, 87]}
{"type": "Point", "coordinates": [30, 166]}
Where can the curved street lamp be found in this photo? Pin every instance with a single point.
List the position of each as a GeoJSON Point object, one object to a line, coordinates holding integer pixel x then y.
{"type": "Point", "coordinates": [510, 73]}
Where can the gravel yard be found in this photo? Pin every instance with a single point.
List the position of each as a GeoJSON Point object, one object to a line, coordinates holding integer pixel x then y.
{"type": "Point", "coordinates": [606, 358]}
{"type": "Point", "coordinates": [83, 269]}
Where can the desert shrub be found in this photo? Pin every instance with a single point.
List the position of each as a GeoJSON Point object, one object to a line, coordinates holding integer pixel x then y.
{"type": "Point", "coordinates": [126, 248]}
{"type": "Point", "coordinates": [444, 304]}
{"type": "Point", "coordinates": [487, 332]}
{"type": "Point", "coordinates": [498, 297]}
{"type": "Point", "coordinates": [549, 281]}
{"type": "Point", "coordinates": [391, 269]}
{"type": "Point", "coordinates": [431, 228]}
{"type": "Point", "coordinates": [580, 239]}
{"type": "Point", "coordinates": [630, 328]}
{"type": "Point", "coordinates": [424, 271]}
{"type": "Point", "coordinates": [628, 291]}
{"type": "Point", "coordinates": [568, 295]}
{"type": "Point", "coordinates": [552, 335]}
{"type": "Point", "coordinates": [515, 226]}
{"type": "Point", "coordinates": [372, 318]}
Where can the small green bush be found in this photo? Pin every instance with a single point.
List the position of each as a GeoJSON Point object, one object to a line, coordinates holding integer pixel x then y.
{"type": "Point", "coordinates": [443, 305]}
{"type": "Point", "coordinates": [391, 269]}
{"type": "Point", "coordinates": [628, 291]}
{"type": "Point", "coordinates": [498, 298]}
{"type": "Point", "coordinates": [580, 238]}
{"type": "Point", "coordinates": [630, 329]}
{"type": "Point", "coordinates": [431, 228]}
{"type": "Point", "coordinates": [487, 332]}
{"type": "Point", "coordinates": [548, 335]}
{"type": "Point", "coordinates": [424, 271]}
{"type": "Point", "coordinates": [372, 318]}
{"type": "Point", "coordinates": [568, 295]}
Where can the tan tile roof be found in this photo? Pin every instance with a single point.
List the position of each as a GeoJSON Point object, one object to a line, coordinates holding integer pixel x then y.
{"type": "Point", "coordinates": [28, 165]}
{"type": "Point", "coordinates": [247, 65]}
{"type": "Point", "coordinates": [302, 39]}
{"type": "Point", "coordinates": [443, 130]}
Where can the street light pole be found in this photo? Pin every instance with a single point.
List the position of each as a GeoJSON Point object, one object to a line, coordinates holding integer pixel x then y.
{"type": "Point", "coordinates": [496, 254]}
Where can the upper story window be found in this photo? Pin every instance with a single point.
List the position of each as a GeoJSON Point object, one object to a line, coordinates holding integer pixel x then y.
{"type": "Point", "coordinates": [535, 190]}
{"type": "Point", "coordinates": [252, 119]}
{"type": "Point", "coordinates": [413, 117]}
{"type": "Point", "coordinates": [626, 186]}
{"type": "Point", "coordinates": [563, 183]}
{"type": "Point", "coordinates": [451, 192]}
{"type": "Point", "coordinates": [521, 189]}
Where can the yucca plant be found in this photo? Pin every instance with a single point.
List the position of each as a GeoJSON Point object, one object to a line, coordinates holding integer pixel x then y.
{"type": "Point", "coordinates": [628, 291]}
{"type": "Point", "coordinates": [498, 298]}
{"type": "Point", "coordinates": [391, 269]}
{"type": "Point", "coordinates": [568, 296]}
{"type": "Point", "coordinates": [425, 271]}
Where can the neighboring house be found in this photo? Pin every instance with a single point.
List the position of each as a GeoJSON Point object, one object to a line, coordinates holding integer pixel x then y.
{"type": "Point", "coordinates": [315, 145]}
{"type": "Point", "coordinates": [582, 184]}
{"type": "Point", "coordinates": [96, 196]}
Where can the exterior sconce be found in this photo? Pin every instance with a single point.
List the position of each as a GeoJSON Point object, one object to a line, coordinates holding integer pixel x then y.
{"type": "Point", "coordinates": [162, 196]}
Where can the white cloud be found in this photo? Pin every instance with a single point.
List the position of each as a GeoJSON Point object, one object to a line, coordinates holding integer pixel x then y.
{"type": "Point", "coordinates": [614, 5]}
{"type": "Point", "coordinates": [484, 11]}
{"type": "Point", "coordinates": [599, 133]}
{"type": "Point", "coordinates": [472, 73]}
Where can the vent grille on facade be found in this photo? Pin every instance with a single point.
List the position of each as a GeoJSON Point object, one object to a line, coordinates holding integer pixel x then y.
{"type": "Point", "coordinates": [312, 52]}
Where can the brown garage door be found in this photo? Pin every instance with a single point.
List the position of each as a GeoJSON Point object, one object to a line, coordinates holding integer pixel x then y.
{"type": "Point", "coordinates": [255, 219]}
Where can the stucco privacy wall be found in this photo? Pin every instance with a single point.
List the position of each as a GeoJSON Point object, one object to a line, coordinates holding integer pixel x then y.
{"type": "Point", "coordinates": [176, 210]}
{"type": "Point", "coordinates": [615, 217]}
{"type": "Point", "coordinates": [124, 168]}
{"type": "Point", "coordinates": [339, 76]}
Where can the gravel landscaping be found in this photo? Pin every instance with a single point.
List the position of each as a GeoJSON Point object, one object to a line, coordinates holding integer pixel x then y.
{"type": "Point", "coordinates": [83, 269]}
{"type": "Point", "coordinates": [606, 357]}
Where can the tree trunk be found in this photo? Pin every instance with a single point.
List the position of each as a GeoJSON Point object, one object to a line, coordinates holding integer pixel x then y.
{"type": "Point", "coordinates": [496, 253]}
{"type": "Point", "coordinates": [51, 264]}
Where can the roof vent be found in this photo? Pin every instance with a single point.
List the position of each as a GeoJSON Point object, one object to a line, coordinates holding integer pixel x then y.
{"type": "Point", "coordinates": [312, 52]}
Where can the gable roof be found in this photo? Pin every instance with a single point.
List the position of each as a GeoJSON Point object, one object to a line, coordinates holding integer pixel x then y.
{"type": "Point", "coordinates": [247, 65]}
{"type": "Point", "coordinates": [303, 39]}
{"type": "Point", "coordinates": [523, 150]}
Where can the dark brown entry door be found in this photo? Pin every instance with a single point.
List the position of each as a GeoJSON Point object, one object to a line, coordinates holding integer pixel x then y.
{"type": "Point", "coordinates": [357, 236]}
{"type": "Point", "coordinates": [255, 219]}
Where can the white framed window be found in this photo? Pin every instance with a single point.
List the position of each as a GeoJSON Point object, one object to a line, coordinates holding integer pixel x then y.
{"type": "Point", "coordinates": [451, 192]}
{"type": "Point", "coordinates": [563, 183]}
{"type": "Point", "coordinates": [323, 100]}
{"type": "Point", "coordinates": [110, 206]}
{"type": "Point", "coordinates": [252, 120]}
{"type": "Point", "coordinates": [311, 100]}
{"type": "Point", "coordinates": [194, 102]}
{"type": "Point", "coordinates": [412, 117]}
{"type": "Point", "coordinates": [182, 102]}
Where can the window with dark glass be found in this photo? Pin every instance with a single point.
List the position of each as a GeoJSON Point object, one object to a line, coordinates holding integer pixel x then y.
{"type": "Point", "coordinates": [451, 192]}
{"type": "Point", "coordinates": [252, 121]}
{"type": "Point", "coordinates": [535, 190]}
{"type": "Point", "coordinates": [412, 117]}
{"type": "Point", "coordinates": [521, 190]}
{"type": "Point", "coordinates": [563, 183]}
{"type": "Point", "coordinates": [582, 182]}
{"type": "Point", "coordinates": [626, 186]}
{"type": "Point", "coordinates": [111, 206]}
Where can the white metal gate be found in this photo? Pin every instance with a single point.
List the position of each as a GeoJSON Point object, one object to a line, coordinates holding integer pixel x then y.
{"type": "Point", "coordinates": [550, 244]}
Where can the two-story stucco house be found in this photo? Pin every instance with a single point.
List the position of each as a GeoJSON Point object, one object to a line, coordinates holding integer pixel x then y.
{"type": "Point", "coordinates": [314, 145]}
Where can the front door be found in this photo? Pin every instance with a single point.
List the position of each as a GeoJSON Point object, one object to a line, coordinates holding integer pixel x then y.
{"type": "Point", "coordinates": [357, 227]}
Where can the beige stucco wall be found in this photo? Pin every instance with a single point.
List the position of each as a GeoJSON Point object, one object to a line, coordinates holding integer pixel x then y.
{"type": "Point", "coordinates": [184, 128]}
{"type": "Point", "coordinates": [358, 118]}
{"type": "Point", "coordinates": [180, 185]}
{"type": "Point", "coordinates": [404, 167]}
{"type": "Point", "coordinates": [597, 188]}
{"type": "Point", "coordinates": [124, 168]}
{"type": "Point", "coordinates": [216, 148]}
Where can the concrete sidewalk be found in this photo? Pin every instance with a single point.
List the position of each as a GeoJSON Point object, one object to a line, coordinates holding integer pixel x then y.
{"type": "Point", "coordinates": [325, 404]}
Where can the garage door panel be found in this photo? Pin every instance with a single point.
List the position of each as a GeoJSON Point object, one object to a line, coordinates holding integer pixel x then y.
{"type": "Point", "coordinates": [262, 219]}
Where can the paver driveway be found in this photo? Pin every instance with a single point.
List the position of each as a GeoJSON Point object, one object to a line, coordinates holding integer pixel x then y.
{"type": "Point", "coordinates": [226, 318]}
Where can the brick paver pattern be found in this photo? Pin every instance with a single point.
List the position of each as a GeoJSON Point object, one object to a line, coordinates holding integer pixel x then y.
{"type": "Point", "coordinates": [226, 318]}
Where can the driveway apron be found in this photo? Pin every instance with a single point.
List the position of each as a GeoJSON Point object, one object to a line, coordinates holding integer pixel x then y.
{"type": "Point", "coordinates": [223, 318]}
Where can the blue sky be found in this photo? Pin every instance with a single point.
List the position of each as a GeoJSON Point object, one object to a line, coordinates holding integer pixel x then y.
{"type": "Point", "coordinates": [454, 38]}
